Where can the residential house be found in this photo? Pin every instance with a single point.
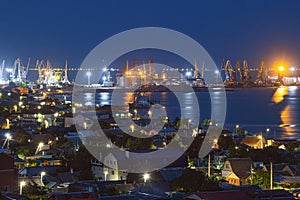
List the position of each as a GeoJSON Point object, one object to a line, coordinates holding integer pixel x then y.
{"type": "Point", "coordinates": [113, 166]}
{"type": "Point", "coordinates": [19, 163]}
{"type": "Point", "coordinates": [254, 141]}
{"type": "Point", "coordinates": [218, 157]}
{"type": "Point", "coordinates": [290, 175]}
{"type": "Point", "coordinates": [278, 169]}
{"type": "Point", "coordinates": [105, 173]}
{"type": "Point", "coordinates": [292, 170]}
{"type": "Point", "coordinates": [43, 160]}
{"type": "Point", "coordinates": [224, 195]}
{"type": "Point", "coordinates": [237, 170]}
{"type": "Point", "coordinates": [34, 174]}
{"type": "Point", "coordinates": [8, 174]}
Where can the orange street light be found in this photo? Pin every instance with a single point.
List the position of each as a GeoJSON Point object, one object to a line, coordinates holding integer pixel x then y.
{"type": "Point", "coordinates": [281, 68]}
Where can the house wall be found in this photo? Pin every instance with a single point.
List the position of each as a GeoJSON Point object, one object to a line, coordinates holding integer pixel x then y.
{"type": "Point", "coordinates": [113, 174]}
{"type": "Point", "coordinates": [234, 181]}
{"type": "Point", "coordinates": [226, 169]}
{"type": "Point", "coordinates": [8, 174]}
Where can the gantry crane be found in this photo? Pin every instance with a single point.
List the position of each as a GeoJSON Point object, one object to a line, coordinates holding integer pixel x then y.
{"type": "Point", "coordinates": [262, 77]}
{"type": "Point", "coordinates": [229, 73]}
{"type": "Point", "coordinates": [20, 70]}
{"type": "Point", "coordinates": [246, 76]}
{"type": "Point", "coordinates": [65, 77]}
{"type": "Point", "coordinates": [239, 70]}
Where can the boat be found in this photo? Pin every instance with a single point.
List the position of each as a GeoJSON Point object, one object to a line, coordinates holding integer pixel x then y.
{"type": "Point", "coordinates": [141, 101]}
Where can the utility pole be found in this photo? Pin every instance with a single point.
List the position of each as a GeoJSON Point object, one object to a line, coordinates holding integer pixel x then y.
{"type": "Point", "coordinates": [208, 169]}
{"type": "Point", "coordinates": [271, 176]}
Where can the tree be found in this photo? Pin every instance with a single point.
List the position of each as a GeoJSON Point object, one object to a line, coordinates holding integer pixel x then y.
{"type": "Point", "coordinates": [177, 122]}
{"type": "Point", "coordinates": [238, 151]}
{"type": "Point", "coordinates": [194, 148]}
{"type": "Point", "coordinates": [62, 143]}
{"type": "Point", "coordinates": [260, 178]}
{"type": "Point", "coordinates": [33, 191]}
{"type": "Point", "coordinates": [194, 181]}
{"type": "Point", "coordinates": [139, 144]}
{"type": "Point", "coordinates": [21, 136]}
{"type": "Point", "coordinates": [225, 141]}
{"type": "Point", "coordinates": [81, 161]}
{"type": "Point", "coordinates": [270, 154]}
{"type": "Point", "coordinates": [25, 150]}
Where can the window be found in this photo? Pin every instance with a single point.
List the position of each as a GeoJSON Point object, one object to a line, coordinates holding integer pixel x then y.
{"type": "Point", "coordinates": [113, 172]}
{"type": "Point", "coordinates": [227, 166]}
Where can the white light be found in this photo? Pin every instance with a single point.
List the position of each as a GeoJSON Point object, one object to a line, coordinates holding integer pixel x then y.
{"type": "Point", "coordinates": [22, 184]}
{"type": "Point", "coordinates": [292, 69]}
{"type": "Point", "coordinates": [146, 177]}
{"type": "Point", "coordinates": [42, 174]}
{"type": "Point", "coordinates": [88, 73]}
{"type": "Point", "coordinates": [7, 135]}
{"type": "Point", "coordinates": [105, 175]}
{"type": "Point", "coordinates": [104, 78]}
{"type": "Point", "coordinates": [188, 73]}
{"type": "Point", "coordinates": [9, 70]}
{"type": "Point", "coordinates": [104, 69]}
{"type": "Point", "coordinates": [216, 71]}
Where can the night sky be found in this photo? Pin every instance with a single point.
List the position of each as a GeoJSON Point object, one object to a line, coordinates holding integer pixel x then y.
{"type": "Point", "coordinates": [70, 29]}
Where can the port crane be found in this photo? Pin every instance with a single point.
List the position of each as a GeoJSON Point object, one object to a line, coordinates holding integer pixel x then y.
{"type": "Point", "coordinates": [246, 76]}
{"type": "Point", "coordinates": [262, 77]}
{"type": "Point", "coordinates": [65, 77]}
{"type": "Point", "coordinates": [239, 70]}
{"type": "Point", "coordinates": [19, 72]}
{"type": "Point", "coordinates": [229, 73]}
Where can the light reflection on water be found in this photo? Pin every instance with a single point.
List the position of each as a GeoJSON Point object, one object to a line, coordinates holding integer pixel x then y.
{"type": "Point", "coordinates": [255, 109]}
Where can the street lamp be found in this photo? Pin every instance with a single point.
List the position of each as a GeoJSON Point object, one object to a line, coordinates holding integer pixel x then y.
{"type": "Point", "coordinates": [292, 69]}
{"type": "Point", "coordinates": [280, 70]}
{"type": "Point", "coordinates": [267, 132]}
{"type": "Point", "coordinates": [150, 114]}
{"type": "Point", "coordinates": [146, 177]}
{"type": "Point", "coordinates": [22, 184]}
{"type": "Point", "coordinates": [105, 175]}
{"type": "Point", "coordinates": [42, 175]}
{"type": "Point", "coordinates": [89, 77]}
{"type": "Point", "coordinates": [251, 173]}
{"type": "Point", "coordinates": [39, 147]}
{"type": "Point", "coordinates": [8, 137]}
{"type": "Point", "coordinates": [236, 128]}
{"type": "Point", "coordinates": [189, 123]}
{"type": "Point", "coordinates": [132, 128]}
